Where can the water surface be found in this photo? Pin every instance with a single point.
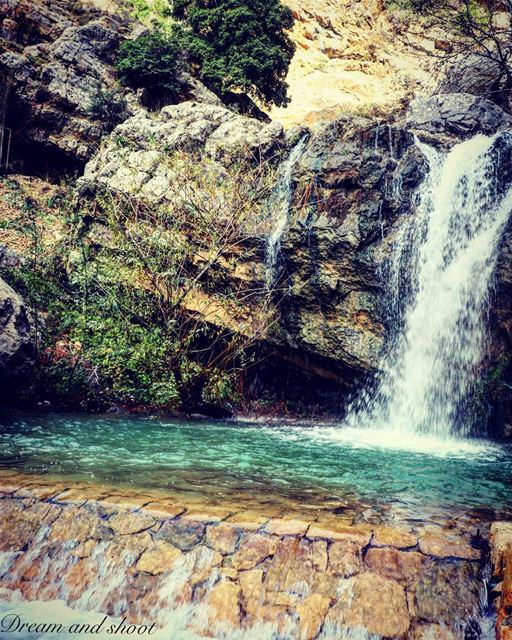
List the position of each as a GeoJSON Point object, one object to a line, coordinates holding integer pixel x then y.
{"type": "Point", "coordinates": [306, 464]}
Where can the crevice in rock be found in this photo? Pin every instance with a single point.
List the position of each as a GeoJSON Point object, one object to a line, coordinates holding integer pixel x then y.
{"type": "Point", "coordinates": [30, 157]}
{"type": "Point", "coordinates": [41, 161]}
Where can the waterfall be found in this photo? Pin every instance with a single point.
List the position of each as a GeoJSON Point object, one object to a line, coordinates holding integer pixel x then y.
{"type": "Point", "coordinates": [439, 276]}
{"type": "Point", "coordinates": [280, 206]}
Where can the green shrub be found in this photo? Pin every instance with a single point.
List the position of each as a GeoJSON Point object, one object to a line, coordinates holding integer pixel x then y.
{"type": "Point", "coordinates": [109, 106]}
{"type": "Point", "coordinates": [152, 61]}
{"type": "Point", "coordinates": [238, 45]}
{"type": "Point", "coordinates": [150, 13]}
{"type": "Point", "coordinates": [129, 303]}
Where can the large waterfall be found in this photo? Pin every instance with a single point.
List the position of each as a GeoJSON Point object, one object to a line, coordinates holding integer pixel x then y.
{"type": "Point", "coordinates": [439, 276]}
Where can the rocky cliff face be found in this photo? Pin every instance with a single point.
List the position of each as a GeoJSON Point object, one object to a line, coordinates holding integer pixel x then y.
{"type": "Point", "coordinates": [351, 57]}
{"type": "Point", "coordinates": [54, 58]}
{"type": "Point", "coordinates": [350, 187]}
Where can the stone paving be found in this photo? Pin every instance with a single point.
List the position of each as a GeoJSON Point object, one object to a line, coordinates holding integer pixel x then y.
{"type": "Point", "coordinates": [64, 540]}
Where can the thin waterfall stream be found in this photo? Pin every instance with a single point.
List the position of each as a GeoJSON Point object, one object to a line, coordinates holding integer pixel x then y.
{"type": "Point", "coordinates": [439, 276]}
{"type": "Point", "coordinates": [280, 205]}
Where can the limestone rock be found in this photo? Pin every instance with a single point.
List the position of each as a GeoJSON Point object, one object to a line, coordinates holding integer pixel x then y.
{"type": "Point", "coordinates": [75, 524]}
{"type": "Point", "coordinates": [299, 566]}
{"type": "Point", "coordinates": [224, 601]}
{"type": "Point", "coordinates": [52, 78]}
{"type": "Point", "coordinates": [22, 528]}
{"type": "Point", "coordinates": [457, 114]}
{"type": "Point", "coordinates": [345, 559]}
{"type": "Point", "coordinates": [403, 566]}
{"type": "Point", "coordinates": [348, 58]}
{"type": "Point", "coordinates": [138, 164]}
{"type": "Point", "coordinates": [182, 533]}
{"type": "Point", "coordinates": [395, 594]}
{"type": "Point", "coordinates": [131, 546]}
{"type": "Point", "coordinates": [201, 562]}
{"type": "Point", "coordinates": [501, 543]}
{"type": "Point", "coordinates": [393, 537]}
{"type": "Point", "coordinates": [253, 591]}
{"type": "Point", "coordinates": [129, 522]}
{"type": "Point", "coordinates": [446, 546]}
{"type": "Point", "coordinates": [432, 632]}
{"type": "Point", "coordinates": [471, 74]}
{"type": "Point", "coordinates": [223, 538]}
{"type": "Point", "coordinates": [312, 615]}
{"type": "Point", "coordinates": [253, 550]}
{"type": "Point", "coordinates": [282, 527]}
{"type": "Point", "coordinates": [448, 590]}
{"type": "Point", "coordinates": [16, 348]}
{"type": "Point", "coordinates": [375, 603]}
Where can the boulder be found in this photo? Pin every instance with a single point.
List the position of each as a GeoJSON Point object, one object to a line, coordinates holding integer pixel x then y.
{"type": "Point", "coordinates": [133, 158]}
{"type": "Point", "coordinates": [16, 346]}
{"type": "Point", "coordinates": [459, 115]}
{"type": "Point", "coordinates": [370, 601]}
{"type": "Point", "coordinates": [471, 74]}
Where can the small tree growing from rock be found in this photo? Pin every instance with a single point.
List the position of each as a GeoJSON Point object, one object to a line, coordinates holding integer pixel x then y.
{"type": "Point", "coordinates": [154, 62]}
{"type": "Point", "coordinates": [153, 304]}
{"type": "Point", "coordinates": [239, 45]}
{"type": "Point", "coordinates": [109, 106]}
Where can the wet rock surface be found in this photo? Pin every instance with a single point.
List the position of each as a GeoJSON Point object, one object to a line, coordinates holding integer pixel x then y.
{"type": "Point", "coordinates": [317, 577]}
{"type": "Point", "coordinates": [501, 546]}
{"type": "Point", "coordinates": [351, 184]}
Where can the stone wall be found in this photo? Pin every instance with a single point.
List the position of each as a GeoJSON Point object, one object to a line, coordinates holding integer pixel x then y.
{"type": "Point", "coordinates": [143, 554]}
{"type": "Point", "coordinates": [501, 540]}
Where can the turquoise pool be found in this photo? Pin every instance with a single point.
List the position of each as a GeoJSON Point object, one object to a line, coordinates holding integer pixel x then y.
{"type": "Point", "coordinates": [318, 463]}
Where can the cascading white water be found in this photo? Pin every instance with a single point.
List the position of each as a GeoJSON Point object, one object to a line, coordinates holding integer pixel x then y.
{"type": "Point", "coordinates": [439, 275]}
{"type": "Point", "coordinates": [280, 206]}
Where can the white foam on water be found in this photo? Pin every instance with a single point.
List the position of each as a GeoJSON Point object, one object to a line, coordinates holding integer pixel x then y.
{"type": "Point", "coordinates": [375, 438]}
{"type": "Point", "coordinates": [383, 437]}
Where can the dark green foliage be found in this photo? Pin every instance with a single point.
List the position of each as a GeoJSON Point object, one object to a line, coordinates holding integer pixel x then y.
{"type": "Point", "coordinates": [238, 45]}
{"type": "Point", "coordinates": [109, 106]}
{"type": "Point", "coordinates": [153, 61]}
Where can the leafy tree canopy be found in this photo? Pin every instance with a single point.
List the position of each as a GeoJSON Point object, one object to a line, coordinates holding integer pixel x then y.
{"type": "Point", "coordinates": [239, 45]}
{"type": "Point", "coordinates": [152, 61]}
